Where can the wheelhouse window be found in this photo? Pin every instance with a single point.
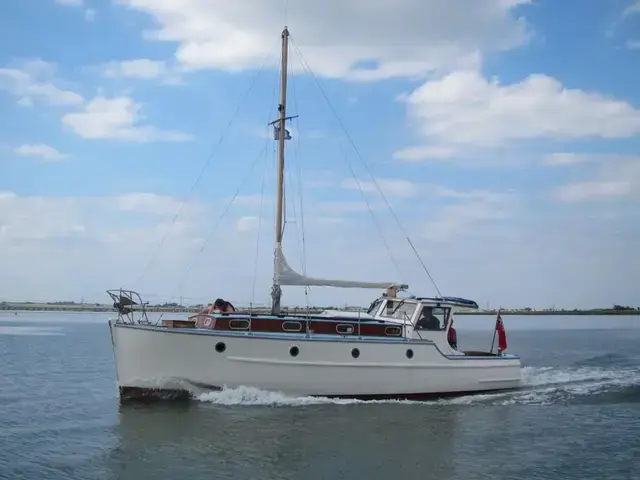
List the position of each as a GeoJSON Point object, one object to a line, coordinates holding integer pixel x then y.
{"type": "Point", "coordinates": [373, 308]}
{"type": "Point", "coordinates": [399, 310]}
{"type": "Point", "coordinates": [432, 318]}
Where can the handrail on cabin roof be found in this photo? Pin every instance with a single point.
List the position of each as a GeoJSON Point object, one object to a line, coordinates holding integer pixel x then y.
{"type": "Point", "coordinates": [455, 301]}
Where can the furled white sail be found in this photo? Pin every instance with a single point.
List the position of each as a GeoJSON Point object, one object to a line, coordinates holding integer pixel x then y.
{"type": "Point", "coordinates": [285, 275]}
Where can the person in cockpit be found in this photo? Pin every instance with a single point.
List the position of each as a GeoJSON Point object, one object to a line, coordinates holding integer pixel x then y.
{"type": "Point", "coordinates": [428, 320]}
{"type": "Point", "coordinates": [220, 305]}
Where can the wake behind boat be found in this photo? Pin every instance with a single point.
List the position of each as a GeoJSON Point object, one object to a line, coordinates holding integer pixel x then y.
{"type": "Point", "coordinates": [402, 347]}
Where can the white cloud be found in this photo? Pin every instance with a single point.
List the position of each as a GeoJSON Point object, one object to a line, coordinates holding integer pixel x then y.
{"type": "Point", "coordinates": [247, 224]}
{"type": "Point", "coordinates": [23, 218]}
{"type": "Point", "coordinates": [390, 187]}
{"type": "Point", "coordinates": [40, 150]}
{"type": "Point", "coordinates": [465, 108]}
{"type": "Point", "coordinates": [38, 217]}
{"type": "Point", "coordinates": [316, 134]}
{"type": "Point", "coordinates": [617, 176]}
{"type": "Point", "coordinates": [89, 13]}
{"type": "Point", "coordinates": [633, 8]}
{"type": "Point", "coordinates": [116, 118]}
{"type": "Point", "coordinates": [397, 38]}
{"type": "Point", "coordinates": [149, 203]}
{"type": "Point", "coordinates": [81, 246]}
{"type": "Point", "coordinates": [418, 154]}
{"type": "Point", "coordinates": [87, 244]}
{"type": "Point", "coordinates": [558, 159]}
{"type": "Point", "coordinates": [481, 195]}
{"type": "Point", "coordinates": [252, 200]}
{"type": "Point", "coordinates": [583, 190]}
{"type": "Point", "coordinates": [478, 208]}
{"type": "Point", "coordinates": [401, 188]}
{"type": "Point", "coordinates": [33, 81]}
{"type": "Point", "coordinates": [345, 207]}
{"type": "Point", "coordinates": [25, 102]}
{"type": "Point", "coordinates": [139, 68]}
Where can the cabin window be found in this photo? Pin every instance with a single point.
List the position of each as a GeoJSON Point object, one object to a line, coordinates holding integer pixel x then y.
{"type": "Point", "coordinates": [399, 309]}
{"type": "Point", "coordinates": [344, 329]}
{"type": "Point", "coordinates": [374, 307]}
{"type": "Point", "coordinates": [239, 324]}
{"type": "Point", "coordinates": [392, 331]}
{"type": "Point", "coordinates": [291, 326]}
{"type": "Point", "coordinates": [432, 318]}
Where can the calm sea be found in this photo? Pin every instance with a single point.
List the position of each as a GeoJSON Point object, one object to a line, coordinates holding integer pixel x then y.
{"type": "Point", "coordinates": [578, 416]}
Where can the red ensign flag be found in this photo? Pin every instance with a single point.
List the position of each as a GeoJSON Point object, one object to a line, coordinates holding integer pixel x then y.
{"type": "Point", "coordinates": [502, 334]}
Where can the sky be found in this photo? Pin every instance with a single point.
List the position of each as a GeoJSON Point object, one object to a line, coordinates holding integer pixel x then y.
{"type": "Point", "coordinates": [495, 142]}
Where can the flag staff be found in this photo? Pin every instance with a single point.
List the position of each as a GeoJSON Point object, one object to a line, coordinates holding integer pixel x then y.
{"type": "Point", "coordinates": [495, 330]}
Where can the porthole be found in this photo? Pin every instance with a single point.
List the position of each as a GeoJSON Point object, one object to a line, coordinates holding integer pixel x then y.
{"type": "Point", "coordinates": [291, 326]}
{"type": "Point", "coordinates": [344, 329]}
{"type": "Point", "coordinates": [355, 353]}
{"type": "Point", "coordinates": [220, 347]}
{"type": "Point", "coordinates": [409, 353]}
{"type": "Point", "coordinates": [392, 331]}
{"type": "Point", "coordinates": [294, 351]}
{"type": "Point", "coordinates": [238, 324]}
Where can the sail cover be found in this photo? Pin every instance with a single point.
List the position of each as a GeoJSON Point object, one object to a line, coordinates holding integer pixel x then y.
{"type": "Point", "coordinates": [285, 275]}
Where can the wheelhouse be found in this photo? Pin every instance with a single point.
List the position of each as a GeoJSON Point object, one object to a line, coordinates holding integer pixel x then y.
{"type": "Point", "coordinates": [420, 313]}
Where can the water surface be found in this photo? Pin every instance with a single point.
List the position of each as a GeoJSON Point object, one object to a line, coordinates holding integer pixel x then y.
{"type": "Point", "coordinates": [577, 417]}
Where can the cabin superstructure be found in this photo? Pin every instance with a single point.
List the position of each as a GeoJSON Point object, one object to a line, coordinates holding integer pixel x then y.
{"type": "Point", "coordinates": [391, 317]}
{"type": "Point", "coordinates": [401, 318]}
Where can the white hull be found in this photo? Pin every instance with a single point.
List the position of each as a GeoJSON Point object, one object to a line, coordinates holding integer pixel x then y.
{"type": "Point", "coordinates": [160, 358]}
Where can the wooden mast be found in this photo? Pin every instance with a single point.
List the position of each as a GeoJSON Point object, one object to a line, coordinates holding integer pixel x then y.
{"type": "Point", "coordinates": [276, 291]}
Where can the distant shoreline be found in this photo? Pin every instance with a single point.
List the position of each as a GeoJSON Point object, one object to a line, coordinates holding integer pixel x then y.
{"type": "Point", "coordinates": [556, 312]}
{"type": "Point", "coordinates": [53, 307]}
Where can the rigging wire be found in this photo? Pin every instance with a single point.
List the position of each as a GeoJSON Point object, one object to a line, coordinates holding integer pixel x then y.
{"type": "Point", "coordinates": [359, 155]}
{"type": "Point", "coordinates": [296, 155]}
{"type": "Point", "coordinates": [219, 219]}
{"type": "Point", "coordinates": [255, 265]}
{"type": "Point", "coordinates": [228, 206]}
{"type": "Point", "coordinates": [203, 169]}
{"type": "Point", "coordinates": [264, 174]}
{"type": "Point", "coordinates": [369, 209]}
{"type": "Point", "coordinates": [300, 185]}
{"type": "Point", "coordinates": [373, 217]}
